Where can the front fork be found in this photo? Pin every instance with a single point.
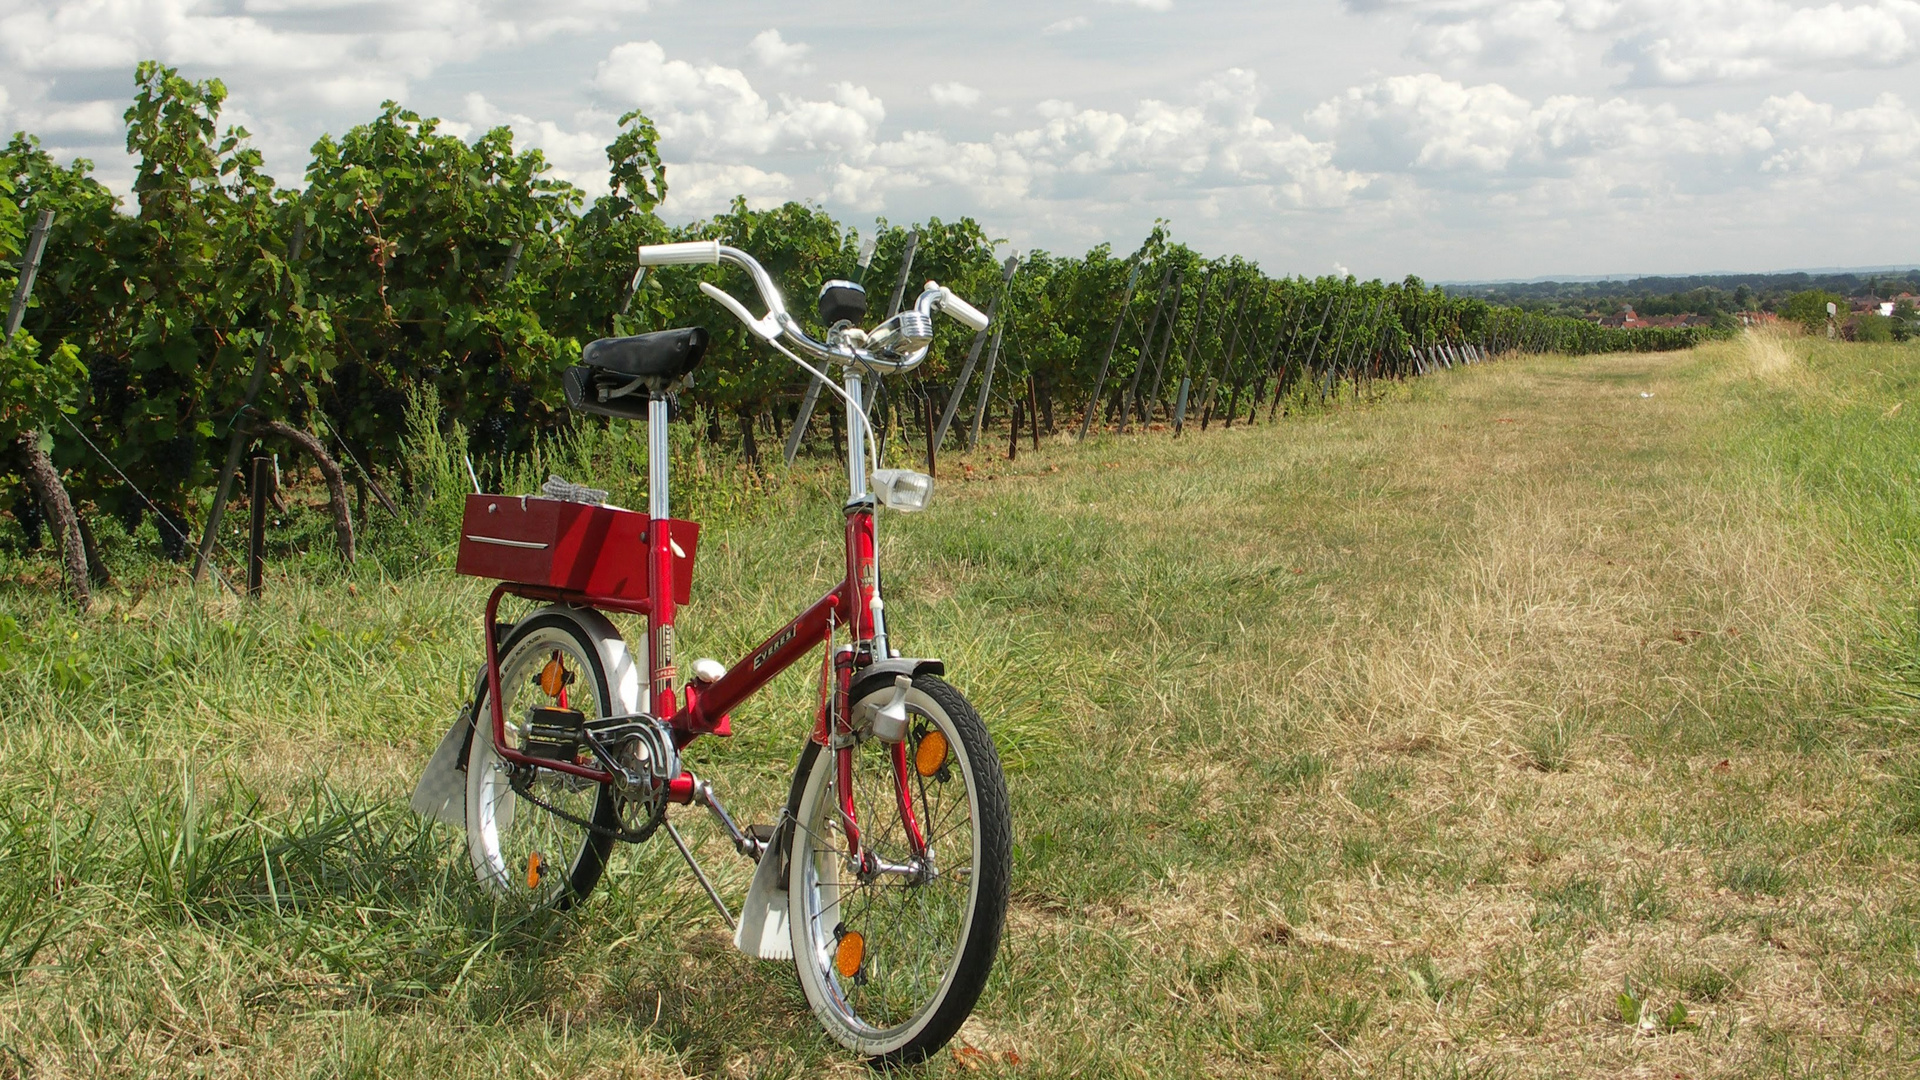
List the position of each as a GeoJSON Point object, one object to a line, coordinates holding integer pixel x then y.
{"type": "Point", "coordinates": [837, 719]}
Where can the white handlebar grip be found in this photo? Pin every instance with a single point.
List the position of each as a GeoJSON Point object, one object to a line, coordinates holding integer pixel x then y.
{"type": "Point", "coordinates": [963, 311]}
{"type": "Point", "coordinates": [685, 254]}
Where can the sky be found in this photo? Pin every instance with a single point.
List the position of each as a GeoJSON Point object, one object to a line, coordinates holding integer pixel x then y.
{"type": "Point", "coordinates": [1454, 139]}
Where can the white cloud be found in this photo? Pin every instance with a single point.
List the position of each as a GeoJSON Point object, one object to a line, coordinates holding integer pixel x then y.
{"type": "Point", "coordinates": [282, 58]}
{"type": "Point", "coordinates": [955, 94]}
{"type": "Point", "coordinates": [1661, 42]}
{"type": "Point", "coordinates": [1066, 25]}
{"type": "Point", "coordinates": [698, 189]}
{"type": "Point", "coordinates": [712, 115]}
{"type": "Point", "coordinates": [1149, 5]}
{"type": "Point", "coordinates": [716, 107]}
{"type": "Point", "coordinates": [1421, 137]}
{"type": "Point", "coordinates": [771, 51]}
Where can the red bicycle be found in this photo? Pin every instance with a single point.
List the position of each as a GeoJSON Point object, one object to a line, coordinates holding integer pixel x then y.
{"type": "Point", "coordinates": [884, 877]}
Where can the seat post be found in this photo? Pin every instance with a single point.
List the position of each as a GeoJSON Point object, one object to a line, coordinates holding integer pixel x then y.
{"type": "Point", "coordinates": [657, 457]}
{"type": "Point", "coordinates": [856, 442]}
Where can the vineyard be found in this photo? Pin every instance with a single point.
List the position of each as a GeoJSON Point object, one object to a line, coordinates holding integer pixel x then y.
{"type": "Point", "coordinates": [150, 344]}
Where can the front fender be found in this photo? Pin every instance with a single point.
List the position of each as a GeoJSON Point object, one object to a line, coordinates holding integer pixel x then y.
{"type": "Point", "coordinates": [881, 673]}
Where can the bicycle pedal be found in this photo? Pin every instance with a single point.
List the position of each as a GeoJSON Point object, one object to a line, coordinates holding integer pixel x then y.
{"type": "Point", "coordinates": [555, 734]}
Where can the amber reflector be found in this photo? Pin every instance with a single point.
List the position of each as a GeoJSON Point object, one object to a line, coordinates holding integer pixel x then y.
{"type": "Point", "coordinates": [852, 950]}
{"type": "Point", "coordinates": [535, 864]}
{"type": "Point", "coordinates": [553, 677]}
{"type": "Point", "coordinates": [931, 754]}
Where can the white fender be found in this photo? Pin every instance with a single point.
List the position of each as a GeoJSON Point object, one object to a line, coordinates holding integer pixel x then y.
{"type": "Point", "coordinates": [762, 930]}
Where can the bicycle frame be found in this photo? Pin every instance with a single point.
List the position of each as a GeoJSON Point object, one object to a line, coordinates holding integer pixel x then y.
{"type": "Point", "coordinates": [852, 607]}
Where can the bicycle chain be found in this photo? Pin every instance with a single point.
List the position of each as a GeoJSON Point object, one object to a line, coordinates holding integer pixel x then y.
{"type": "Point", "coordinates": [520, 782]}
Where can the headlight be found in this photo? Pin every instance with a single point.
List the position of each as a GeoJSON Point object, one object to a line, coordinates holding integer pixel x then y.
{"type": "Point", "coordinates": [902, 489]}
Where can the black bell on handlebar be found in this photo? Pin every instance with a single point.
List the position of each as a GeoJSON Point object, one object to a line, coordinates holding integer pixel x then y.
{"type": "Point", "coordinates": [842, 301]}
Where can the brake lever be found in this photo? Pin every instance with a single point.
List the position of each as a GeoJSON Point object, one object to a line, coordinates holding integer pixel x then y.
{"type": "Point", "coordinates": [766, 329]}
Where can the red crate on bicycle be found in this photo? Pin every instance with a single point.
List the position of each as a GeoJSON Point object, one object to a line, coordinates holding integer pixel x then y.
{"type": "Point", "coordinates": [597, 551]}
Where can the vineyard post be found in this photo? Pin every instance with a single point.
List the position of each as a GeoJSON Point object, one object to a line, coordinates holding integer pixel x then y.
{"type": "Point", "coordinates": [893, 306]}
{"type": "Point", "coordinates": [800, 419]}
{"type": "Point", "coordinates": [236, 439]}
{"type": "Point", "coordinates": [986, 387]}
{"type": "Point", "coordinates": [1289, 315]}
{"type": "Point", "coordinates": [1186, 365]}
{"type": "Point", "coordinates": [633, 288]}
{"type": "Point", "coordinates": [1306, 362]}
{"type": "Point", "coordinates": [1207, 393]}
{"type": "Point", "coordinates": [1366, 362]}
{"type": "Point", "coordinates": [29, 269]}
{"type": "Point", "coordinates": [1249, 369]}
{"type": "Point", "coordinates": [931, 441]}
{"type": "Point", "coordinates": [906, 271]}
{"type": "Point", "coordinates": [1013, 430]}
{"type": "Point", "coordinates": [1377, 356]}
{"type": "Point", "coordinates": [1285, 362]}
{"type": "Point", "coordinates": [1166, 346]}
{"type": "Point", "coordinates": [1239, 382]}
{"type": "Point", "coordinates": [973, 353]}
{"type": "Point", "coordinates": [1346, 301]}
{"type": "Point", "coordinates": [1146, 346]}
{"type": "Point", "coordinates": [1358, 355]}
{"type": "Point", "coordinates": [1033, 413]}
{"type": "Point", "coordinates": [513, 261]}
{"type": "Point", "coordinates": [1100, 382]}
{"type": "Point", "coordinates": [1347, 361]}
{"type": "Point", "coordinates": [260, 492]}
{"type": "Point", "coordinates": [1337, 368]}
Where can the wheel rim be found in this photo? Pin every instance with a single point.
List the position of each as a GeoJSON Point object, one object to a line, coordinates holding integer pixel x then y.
{"type": "Point", "coordinates": [510, 831]}
{"type": "Point", "coordinates": [914, 932]}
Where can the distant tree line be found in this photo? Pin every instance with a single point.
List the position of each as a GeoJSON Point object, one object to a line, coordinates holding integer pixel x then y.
{"type": "Point", "coordinates": [1714, 294]}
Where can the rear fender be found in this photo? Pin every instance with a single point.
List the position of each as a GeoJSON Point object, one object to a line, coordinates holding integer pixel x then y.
{"type": "Point", "coordinates": [623, 663]}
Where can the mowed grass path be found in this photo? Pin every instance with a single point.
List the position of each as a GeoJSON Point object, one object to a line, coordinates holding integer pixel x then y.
{"type": "Point", "coordinates": [1421, 739]}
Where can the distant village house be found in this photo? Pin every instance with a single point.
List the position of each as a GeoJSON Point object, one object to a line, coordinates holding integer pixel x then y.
{"type": "Point", "coordinates": [1627, 319]}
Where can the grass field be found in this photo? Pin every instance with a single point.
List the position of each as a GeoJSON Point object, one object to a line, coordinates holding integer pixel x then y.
{"type": "Point", "coordinates": [1547, 718]}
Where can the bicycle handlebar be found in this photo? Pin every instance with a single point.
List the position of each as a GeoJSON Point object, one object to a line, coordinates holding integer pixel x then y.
{"type": "Point", "coordinates": [963, 311]}
{"type": "Point", "coordinates": [899, 344]}
{"type": "Point", "coordinates": [689, 253]}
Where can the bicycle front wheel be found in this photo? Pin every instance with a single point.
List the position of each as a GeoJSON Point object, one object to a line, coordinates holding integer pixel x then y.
{"type": "Point", "coordinates": [896, 911]}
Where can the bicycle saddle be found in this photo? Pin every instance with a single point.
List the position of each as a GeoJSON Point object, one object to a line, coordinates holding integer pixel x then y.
{"type": "Point", "coordinates": [665, 355]}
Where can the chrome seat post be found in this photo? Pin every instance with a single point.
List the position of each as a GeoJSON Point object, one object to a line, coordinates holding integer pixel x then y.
{"type": "Point", "coordinates": [657, 457]}
{"type": "Point", "coordinates": [856, 442]}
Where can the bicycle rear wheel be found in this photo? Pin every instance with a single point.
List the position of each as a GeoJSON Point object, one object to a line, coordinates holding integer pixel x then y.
{"type": "Point", "coordinates": [894, 945]}
{"type": "Point", "coordinates": [522, 852]}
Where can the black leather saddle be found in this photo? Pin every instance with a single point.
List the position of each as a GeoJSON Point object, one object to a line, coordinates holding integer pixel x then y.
{"type": "Point", "coordinates": [616, 375]}
{"type": "Point", "coordinates": [663, 354]}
